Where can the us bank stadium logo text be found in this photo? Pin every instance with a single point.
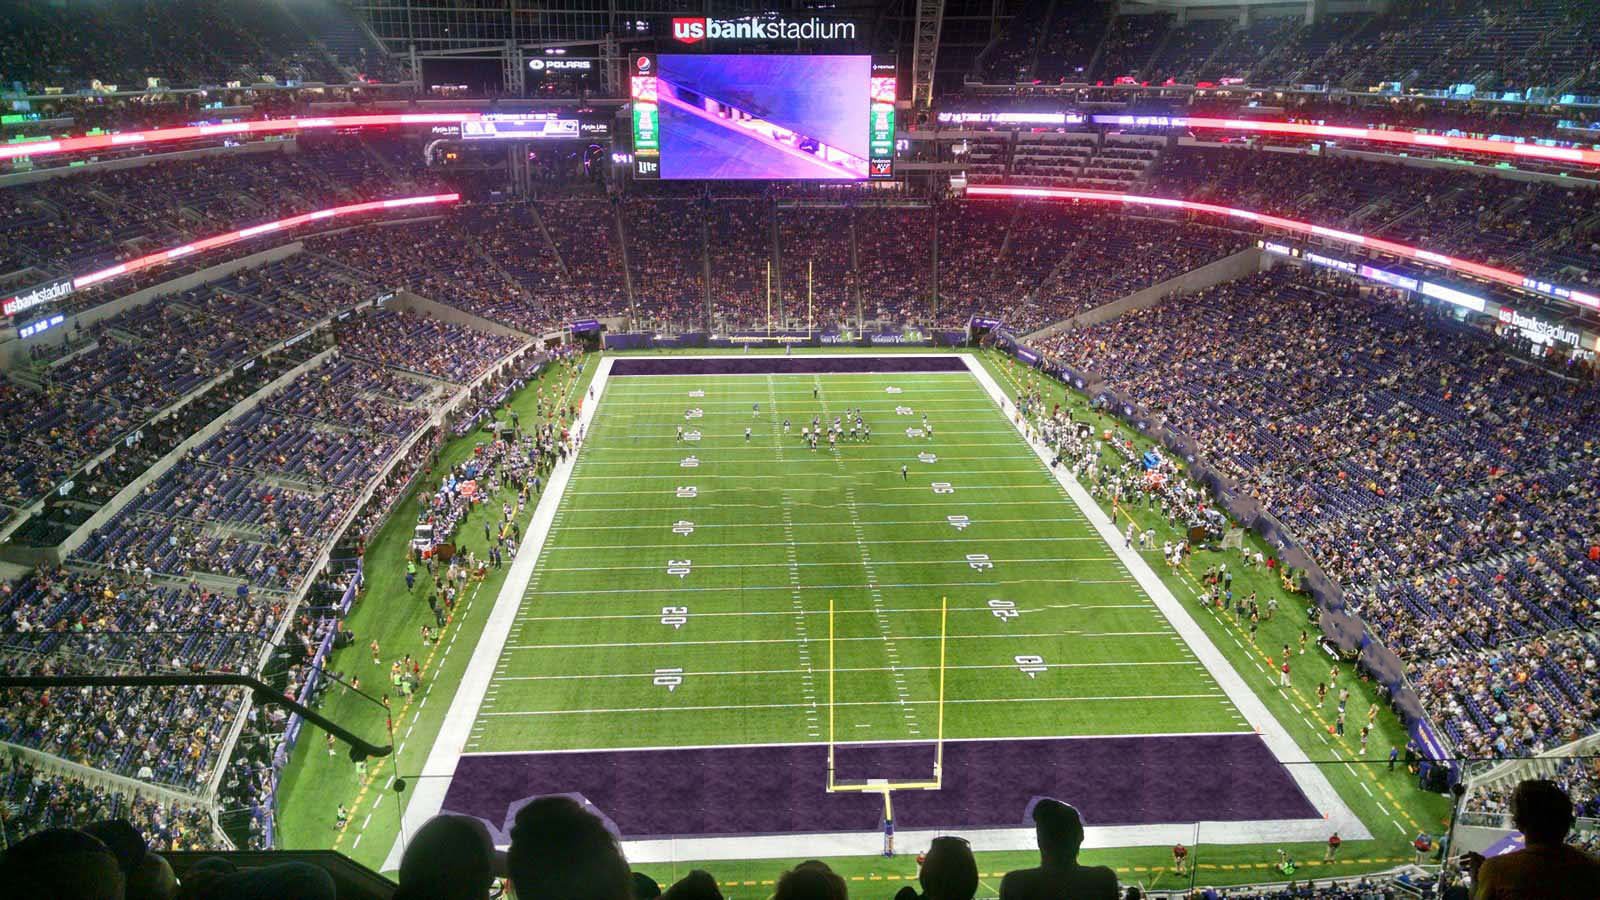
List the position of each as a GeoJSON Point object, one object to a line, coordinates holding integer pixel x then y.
{"type": "Point", "coordinates": [695, 30]}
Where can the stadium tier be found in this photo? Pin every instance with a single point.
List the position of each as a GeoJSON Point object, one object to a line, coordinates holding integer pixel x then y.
{"type": "Point", "coordinates": [1079, 449]}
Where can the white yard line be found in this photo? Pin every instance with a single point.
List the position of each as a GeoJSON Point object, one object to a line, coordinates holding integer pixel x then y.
{"type": "Point", "coordinates": [429, 789]}
{"type": "Point", "coordinates": [1315, 785]}
{"type": "Point", "coordinates": [899, 610]}
{"type": "Point", "coordinates": [876, 543]}
{"type": "Point", "coordinates": [832, 565]}
{"type": "Point", "coordinates": [951, 585]}
{"type": "Point", "coordinates": [910, 487]}
{"type": "Point", "coordinates": [1053, 501]}
{"type": "Point", "coordinates": [1004, 636]}
{"type": "Point", "coordinates": [632, 710]}
{"type": "Point", "coordinates": [744, 672]}
{"type": "Point", "coordinates": [814, 524]}
{"type": "Point", "coordinates": [876, 742]}
{"type": "Point", "coordinates": [782, 476]}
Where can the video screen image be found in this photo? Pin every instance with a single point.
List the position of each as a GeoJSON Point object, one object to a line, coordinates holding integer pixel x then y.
{"type": "Point", "coordinates": [766, 117]}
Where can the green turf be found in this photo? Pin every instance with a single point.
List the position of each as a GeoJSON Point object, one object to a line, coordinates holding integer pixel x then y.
{"type": "Point", "coordinates": [780, 532]}
{"type": "Point", "coordinates": [314, 783]}
{"type": "Point", "coordinates": [824, 534]}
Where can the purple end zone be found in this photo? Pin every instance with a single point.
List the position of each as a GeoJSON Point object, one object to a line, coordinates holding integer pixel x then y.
{"type": "Point", "coordinates": [987, 784]}
{"type": "Point", "coordinates": [784, 365]}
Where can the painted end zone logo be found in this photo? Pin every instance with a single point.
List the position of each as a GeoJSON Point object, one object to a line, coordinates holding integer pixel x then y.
{"type": "Point", "coordinates": [692, 30]}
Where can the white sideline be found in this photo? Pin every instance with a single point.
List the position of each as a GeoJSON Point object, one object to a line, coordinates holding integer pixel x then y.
{"type": "Point", "coordinates": [428, 790]}
{"type": "Point", "coordinates": [1339, 816]}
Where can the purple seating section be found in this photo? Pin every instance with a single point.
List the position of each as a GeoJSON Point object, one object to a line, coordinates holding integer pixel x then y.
{"type": "Point", "coordinates": [90, 221]}
{"type": "Point", "coordinates": [37, 799]}
{"type": "Point", "coordinates": [1447, 487]}
{"type": "Point", "coordinates": [150, 356]}
{"type": "Point", "coordinates": [258, 499]}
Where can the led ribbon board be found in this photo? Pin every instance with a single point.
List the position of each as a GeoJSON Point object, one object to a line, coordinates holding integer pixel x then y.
{"type": "Point", "coordinates": [1404, 251]}
{"type": "Point", "coordinates": [59, 290]}
{"type": "Point", "coordinates": [1405, 137]}
{"type": "Point", "coordinates": [190, 132]}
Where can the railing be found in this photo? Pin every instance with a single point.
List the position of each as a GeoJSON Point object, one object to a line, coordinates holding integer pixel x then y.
{"type": "Point", "coordinates": [268, 807]}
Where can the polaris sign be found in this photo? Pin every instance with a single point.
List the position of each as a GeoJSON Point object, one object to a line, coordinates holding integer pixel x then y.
{"type": "Point", "coordinates": [561, 65]}
{"type": "Point", "coordinates": [695, 30]}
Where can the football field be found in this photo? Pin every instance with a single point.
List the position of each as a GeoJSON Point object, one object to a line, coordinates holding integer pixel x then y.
{"type": "Point", "coordinates": [716, 632]}
{"type": "Point", "coordinates": [685, 590]}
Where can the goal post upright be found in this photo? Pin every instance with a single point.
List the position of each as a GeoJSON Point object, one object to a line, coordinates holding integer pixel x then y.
{"type": "Point", "coordinates": [878, 785]}
{"type": "Point", "coordinates": [830, 695]}
{"type": "Point", "coordinates": [938, 738]}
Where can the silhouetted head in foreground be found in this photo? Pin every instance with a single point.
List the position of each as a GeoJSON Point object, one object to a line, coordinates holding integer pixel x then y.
{"type": "Point", "coordinates": [949, 872]}
{"type": "Point", "coordinates": [1542, 811]}
{"type": "Point", "coordinates": [1060, 832]}
{"type": "Point", "coordinates": [561, 852]}
{"type": "Point", "coordinates": [62, 863]}
{"type": "Point", "coordinates": [449, 858]}
{"type": "Point", "coordinates": [811, 880]}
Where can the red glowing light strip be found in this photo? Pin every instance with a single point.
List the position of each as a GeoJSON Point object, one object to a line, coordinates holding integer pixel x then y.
{"type": "Point", "coordinates": [189, 132]}
{"type": "Point", "coordinates": [234, 237]}
{"type": "Point", "coordinates": [1489, 273]}
{"type": "Point", "coordinates": [1409, 138]}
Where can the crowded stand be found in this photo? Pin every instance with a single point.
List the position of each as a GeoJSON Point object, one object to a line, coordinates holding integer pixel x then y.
{"type": "Point", "coordinates": [96, 218]}
{"type": "Point", "coordinates": [36, 799]}
{"type": "Point", "coordinates": [436, 259]}
{"type": "Point", "coordinates": [251, 505]}
{"type": "Point", "coordinates": [1382, 464]}
{"type": "Point", "coordinates": [424, 345]}
{"type": "Point", "coordinates": [143, 360]}
{"type": "Point", "coordinates": [185, 43]}
{"type": "Point", "coordinates": [740, 250]}
{"type": "Point", "coordinates": [197, 478]}
{"type": "Point", "coordinates": [1430, 44]}
{"type": "Point", "coordinates": [666, 251]}
{"type": "Point", "coordinates": [815, 248]}
{"type": "Point", "coordinates": [1481, 217]}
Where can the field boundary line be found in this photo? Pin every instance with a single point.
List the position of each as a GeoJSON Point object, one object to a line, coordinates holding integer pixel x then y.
{"type": "Point", "coordinates": [864, 743]}
{"type": "Point", "coordinates": [429, 789]}
{"type": "Point", "coordinates": [1315, 785]}
{"type": "Point", "coordinates": [634, 710]}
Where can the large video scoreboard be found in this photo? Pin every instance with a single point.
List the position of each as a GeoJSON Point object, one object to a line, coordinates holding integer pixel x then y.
{"type": "Point", "coordinates": [751, 116]}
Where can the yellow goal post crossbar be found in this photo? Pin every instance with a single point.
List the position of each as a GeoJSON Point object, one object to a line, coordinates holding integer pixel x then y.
{"type": "Point", "coordinates": [878, 785]}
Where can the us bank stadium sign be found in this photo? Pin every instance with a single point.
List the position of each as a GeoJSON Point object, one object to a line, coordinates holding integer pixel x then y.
{"type": "Point", "coordinates": [39, 296]}
{"type": "Point", "coordinates": [695, 30]}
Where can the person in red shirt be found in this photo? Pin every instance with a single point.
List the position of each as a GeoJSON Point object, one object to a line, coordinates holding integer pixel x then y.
{"type": "Point", "coordinates": [1180, 858]}
{"type": "Point", "coordinates": [1333, 847]}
